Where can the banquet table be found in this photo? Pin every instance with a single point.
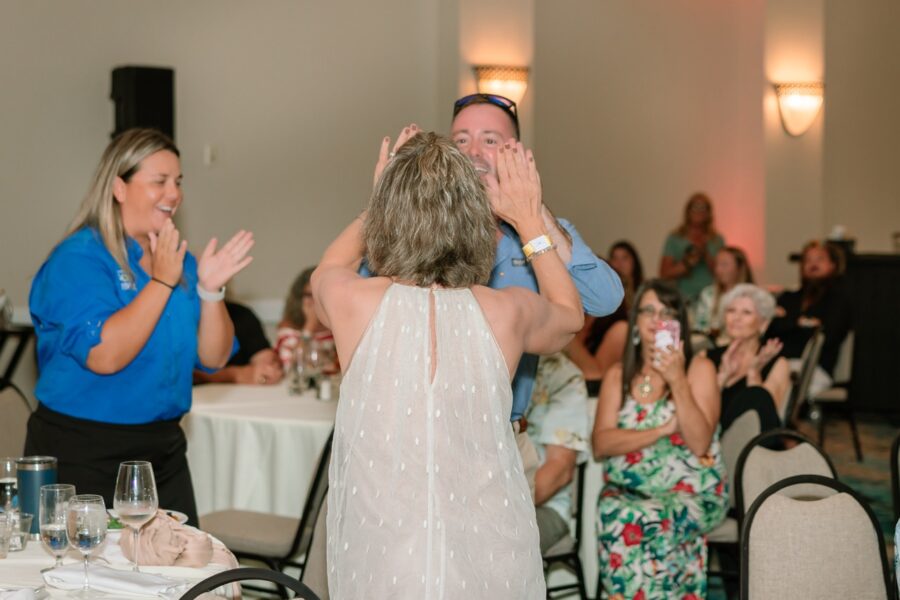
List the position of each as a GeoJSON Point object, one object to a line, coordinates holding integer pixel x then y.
{"type": "Point", "coordinates": [23, 568]}
{"type": "Point", "coordinates": [255, 447]}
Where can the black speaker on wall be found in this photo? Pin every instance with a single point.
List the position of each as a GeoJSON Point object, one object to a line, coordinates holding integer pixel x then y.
{"type": "Point", "coordinates": [144, 97]}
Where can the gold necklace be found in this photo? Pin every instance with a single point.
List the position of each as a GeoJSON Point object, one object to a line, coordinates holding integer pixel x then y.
{"type": "Point", "coordinates": [645, 388]}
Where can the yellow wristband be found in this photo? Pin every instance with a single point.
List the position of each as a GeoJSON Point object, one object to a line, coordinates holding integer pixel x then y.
{"type": "Point", "coordinates": [538, 245]}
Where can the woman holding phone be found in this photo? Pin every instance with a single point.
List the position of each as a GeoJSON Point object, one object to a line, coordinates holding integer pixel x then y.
{"type": "Point", "coordinates": [657, 429]}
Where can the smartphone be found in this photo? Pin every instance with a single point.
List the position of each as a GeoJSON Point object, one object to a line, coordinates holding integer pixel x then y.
{"type": "Point", "coordinates": [668, 334]}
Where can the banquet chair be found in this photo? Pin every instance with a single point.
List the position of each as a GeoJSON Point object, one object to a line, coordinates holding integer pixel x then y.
{"type": "Point", "coordinates": [825, 546]}
{"type": "Point", "coordinates": [895, 477]}
{"type": "Point", "coordinates": [278, 542]}
{"type": "Point", "coordinates": [837, 397]}
{"type": "Point", "coordinates": [246, 574]}
{"type": "Point", "coordinates": [759, 467]}
{"type": "Point", "coordinates": [800, 390]}
{"type": "Point", "coordinates": [566, 550]}
{"type": "Point", "coordinates": [15, 410]}
{"type": "Point", "coordinates": [723, 540]}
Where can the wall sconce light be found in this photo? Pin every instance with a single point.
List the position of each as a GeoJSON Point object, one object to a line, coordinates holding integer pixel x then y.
{"type": "Point", "coordinates": [799, 104]}
{"type": "Point", "coordinates": [510, 82]}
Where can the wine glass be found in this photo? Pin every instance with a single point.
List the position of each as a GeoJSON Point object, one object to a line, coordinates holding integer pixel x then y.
{"type": "Point", "coordinates": [86, 528]}
{"type": "Point", "coordinates": [135, 500]}
{"type": "Point", "coordinates": [7, 483]}
{"type": "Point", "coordinates": [52, 517]}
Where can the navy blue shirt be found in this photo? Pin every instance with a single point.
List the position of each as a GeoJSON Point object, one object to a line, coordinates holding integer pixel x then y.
{"type": "Point", "coordinates": [73, 294]}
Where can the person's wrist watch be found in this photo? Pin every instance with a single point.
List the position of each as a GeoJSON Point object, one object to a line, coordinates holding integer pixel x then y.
{"type": "Point", "coordinates": [208, 296]}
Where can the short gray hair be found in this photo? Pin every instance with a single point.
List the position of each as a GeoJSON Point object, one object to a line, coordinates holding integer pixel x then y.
{"type": "Point", "coordinates": [762, 300]}
{"type": "Point", "coordinates": [429, 220]}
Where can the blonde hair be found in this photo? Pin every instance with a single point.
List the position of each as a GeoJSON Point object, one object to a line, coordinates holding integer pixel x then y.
{"type": "Point", "coordinates": [429, 220]}
{"type": "Point", "coordinates": [684, 228]}
{"type": "Point", "coordinates": [99, 209]}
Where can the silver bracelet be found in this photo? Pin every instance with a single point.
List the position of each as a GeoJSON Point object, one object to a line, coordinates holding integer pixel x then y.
{"type": "Point", "coordinates": [207, 296]}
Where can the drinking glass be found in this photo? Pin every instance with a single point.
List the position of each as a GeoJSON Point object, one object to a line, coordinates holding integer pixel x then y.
{"type": "Point", "coordinates": [135, 500]}
{"type": "Point", "coordinates": [52, 518]}
{"type": "Point", "coordinates": [7, 483]}
{"type": "Point", "coordinates": [86, 528]}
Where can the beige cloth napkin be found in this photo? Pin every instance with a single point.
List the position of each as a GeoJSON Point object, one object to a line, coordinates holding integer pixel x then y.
{"type": "Point", "coordinates": [165, 542]}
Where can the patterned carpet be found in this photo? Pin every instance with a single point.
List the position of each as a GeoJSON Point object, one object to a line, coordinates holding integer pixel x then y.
{"type": "Point", "coordinates": [872, 477]}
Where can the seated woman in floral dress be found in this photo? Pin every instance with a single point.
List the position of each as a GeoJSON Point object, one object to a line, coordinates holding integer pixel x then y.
{"type": "Point", "coordinates": [657, 428]}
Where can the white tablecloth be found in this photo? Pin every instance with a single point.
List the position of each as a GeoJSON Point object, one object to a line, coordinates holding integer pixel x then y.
{"type": "Point", "coordinates": [254, 447]}
{"type": "Point", "coordinates": [24, 568]}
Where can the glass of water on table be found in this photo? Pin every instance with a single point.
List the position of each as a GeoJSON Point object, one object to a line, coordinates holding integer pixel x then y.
{"type": "Point", "coordinates": [135, 500]}
{"type": "Point", "coordinates": [7, 483]}
{"type": "Point", "coordinates": [86, 528]}
{"type": "Point", "coordinates": [52, 515]}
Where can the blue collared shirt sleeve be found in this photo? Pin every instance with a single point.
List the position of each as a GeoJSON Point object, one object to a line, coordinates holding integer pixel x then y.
{"type": "Point", "coordinates": [73, 308]}
{"type": "Point", "coordinates": [598, 285]}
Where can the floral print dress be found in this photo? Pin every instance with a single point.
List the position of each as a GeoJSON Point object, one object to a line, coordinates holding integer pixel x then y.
{"type": "Point", "coordinates": [656, 505]}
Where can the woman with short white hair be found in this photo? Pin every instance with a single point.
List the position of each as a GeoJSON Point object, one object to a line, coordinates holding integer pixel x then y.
{"type": "Point", "coordinates": [747, 374]}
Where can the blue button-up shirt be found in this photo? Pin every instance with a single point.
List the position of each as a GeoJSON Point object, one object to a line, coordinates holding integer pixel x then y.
{"type": "Point", "coordinates": [599, 286]}
{"type": "Point", "coordinates": [73, 294]}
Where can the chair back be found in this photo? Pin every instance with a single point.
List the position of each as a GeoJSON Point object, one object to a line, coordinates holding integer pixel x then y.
{"type": "Point", "coordinates": [823, 547]}
{"type": "Point", "coordinates": [759, 467]}
{"type": "Point", "coordinates": [734, 440]}
{"type": "Point", "coordinates": [799, 391]}
{"type": "Point", "coordinates": [15, 410]}
{"type": "Point", "coordinates": [843, 368]}
{"type": "Point", "coordinates": [246, 574]}
{"type": "Point", "coordinates": [318, 490]}
{"type": "Point", "coordinates": [578, 502]}
{"type": "Point", "coordinates": [895, 477]}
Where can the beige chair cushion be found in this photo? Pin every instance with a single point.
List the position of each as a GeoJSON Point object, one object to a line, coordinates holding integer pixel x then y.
{"type": "Point", "coordinates": [725, 532]}
{"type": "Point", "coordinates": [742, 430]}
{"type": "Point", "coordinates": [820, 549]}
{"type": "Point", "coordinates": [834, 394]}
{"type": "Point", "coordinates": [763, 467]}
{"type": "Point", "coordinates": [252, 532]}
{"type": "Point", "coordinates": [563, 546]}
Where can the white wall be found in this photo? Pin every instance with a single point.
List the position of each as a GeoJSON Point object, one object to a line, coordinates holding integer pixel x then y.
{"type": "Point", "coordinates": [862, 126]}
{"type": "Point", "coordinates": [794, 52]}
{"type": "Point", "coordinates": [294, 96]}
{"type": "Point", "coordinates": [640, 104]}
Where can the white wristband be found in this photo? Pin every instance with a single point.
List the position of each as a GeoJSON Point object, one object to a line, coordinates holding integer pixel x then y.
{"type": "Point", "coordinates": [210, 296]}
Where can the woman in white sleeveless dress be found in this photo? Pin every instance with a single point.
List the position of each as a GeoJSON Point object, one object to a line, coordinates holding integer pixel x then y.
{"type": "Point", "coordinates": [427, 496]}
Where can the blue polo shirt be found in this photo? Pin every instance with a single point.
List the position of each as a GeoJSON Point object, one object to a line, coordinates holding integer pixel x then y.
{"type": "Point", "coordinates": [73, 294]}
{"type": "Point", "coordinates": [598, 285]}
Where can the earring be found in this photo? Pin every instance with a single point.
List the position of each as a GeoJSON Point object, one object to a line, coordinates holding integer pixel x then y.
{"type": "Point", "coordinates": [635, 336]}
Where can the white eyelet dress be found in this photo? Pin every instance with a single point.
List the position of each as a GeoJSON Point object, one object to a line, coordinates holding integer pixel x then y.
{"type": "Point", "coordinates": [427, 497]}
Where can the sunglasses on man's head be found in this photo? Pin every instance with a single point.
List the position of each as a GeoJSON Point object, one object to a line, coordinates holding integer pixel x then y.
{"type": "Point", "coordinates": [501, 102]}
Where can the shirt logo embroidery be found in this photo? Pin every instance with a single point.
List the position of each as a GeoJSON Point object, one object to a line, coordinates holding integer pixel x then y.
{"type": "Point", "coordinates": [519, 262]}
{"type": "Point", "coordinates": [126, 282]}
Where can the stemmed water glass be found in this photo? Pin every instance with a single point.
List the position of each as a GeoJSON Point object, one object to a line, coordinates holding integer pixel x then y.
{"type": "Point", "coordinates": [7, 482]}
{"type": "Point", "coordinates": [86, 527]}
{"type": "Point", "coordinates": [135, 500]}
{"type": "Point", "coordinates": [52, 517]}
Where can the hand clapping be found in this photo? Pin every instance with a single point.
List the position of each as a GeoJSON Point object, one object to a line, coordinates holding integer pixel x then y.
{"type": "Point", "coordinates": [167, 254]}
{"type": "Point", "coordinates": [216, 268]}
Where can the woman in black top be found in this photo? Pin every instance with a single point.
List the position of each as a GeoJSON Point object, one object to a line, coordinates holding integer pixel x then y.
{"type": "Point", "coordinates": [748, 376]}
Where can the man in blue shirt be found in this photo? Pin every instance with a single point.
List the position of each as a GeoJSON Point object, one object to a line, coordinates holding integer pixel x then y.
{"type": "Point", "coordinates": [482, 123]}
